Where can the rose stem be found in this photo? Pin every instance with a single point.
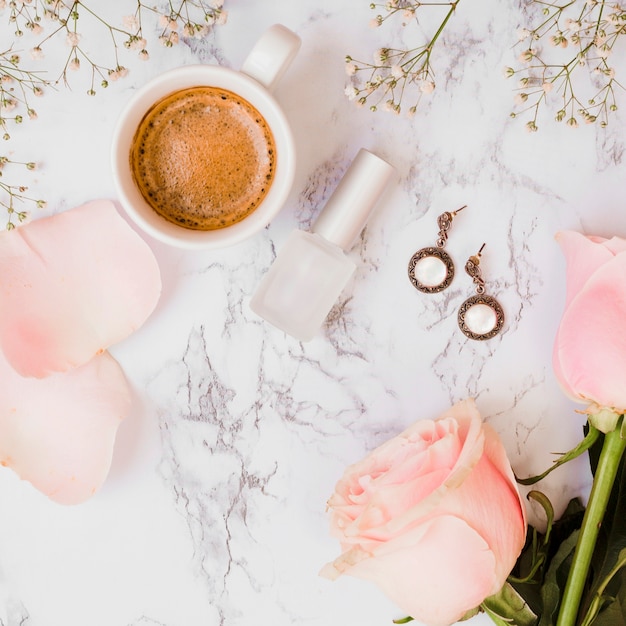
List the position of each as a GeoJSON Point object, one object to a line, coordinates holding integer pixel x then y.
{"type": "Point", "coordinates": [608, 464]}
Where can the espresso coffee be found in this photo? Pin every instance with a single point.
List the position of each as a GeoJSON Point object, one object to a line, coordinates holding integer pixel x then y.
{"type": "Point", "coordinates": [203, 158]}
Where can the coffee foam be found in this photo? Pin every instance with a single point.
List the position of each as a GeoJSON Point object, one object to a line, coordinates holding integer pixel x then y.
{"type": "Point", "coordinates": [203, 158]}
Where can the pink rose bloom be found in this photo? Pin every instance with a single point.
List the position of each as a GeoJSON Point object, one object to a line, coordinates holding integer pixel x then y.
{"type": "Point", "coordinates": [433, 517]}
{"type": "Point", "coordinates": [590, 348]}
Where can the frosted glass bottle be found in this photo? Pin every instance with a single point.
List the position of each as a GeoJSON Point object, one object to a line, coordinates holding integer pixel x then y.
{"type": "Point", "coordinates": [312, 269]}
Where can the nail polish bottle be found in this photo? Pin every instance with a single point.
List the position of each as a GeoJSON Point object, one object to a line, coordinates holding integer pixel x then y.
{"type": "Point", "coordinates": [312, 269]}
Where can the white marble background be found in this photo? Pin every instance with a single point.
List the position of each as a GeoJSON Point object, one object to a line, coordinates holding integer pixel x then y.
{"type": "Point", "coordinates": [214, 510]}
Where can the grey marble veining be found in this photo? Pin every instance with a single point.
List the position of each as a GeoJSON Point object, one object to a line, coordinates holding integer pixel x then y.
{"type": "Point", "coordinates": [214, 512]}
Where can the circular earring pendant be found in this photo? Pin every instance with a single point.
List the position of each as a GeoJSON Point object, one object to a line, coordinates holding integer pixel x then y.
{"type": "Point", "coordinates": [481, 317]}
{"type": "Point", "coordinates": [431, 270]}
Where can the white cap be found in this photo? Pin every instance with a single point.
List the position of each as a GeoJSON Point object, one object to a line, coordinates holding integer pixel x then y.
{"type": "Point", "coordinates": [348, 209]}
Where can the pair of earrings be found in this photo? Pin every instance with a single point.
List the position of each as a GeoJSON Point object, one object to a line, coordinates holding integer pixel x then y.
{"type": "Point", "coordinates": [431, 270]}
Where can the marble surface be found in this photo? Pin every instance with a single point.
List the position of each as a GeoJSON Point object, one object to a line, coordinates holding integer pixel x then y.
{"type": "Point", "coordinates": [214, 509]}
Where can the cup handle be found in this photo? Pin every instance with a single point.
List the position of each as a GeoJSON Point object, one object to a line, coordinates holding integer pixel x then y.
{"type": "Point", "coordinates": [271, 55]}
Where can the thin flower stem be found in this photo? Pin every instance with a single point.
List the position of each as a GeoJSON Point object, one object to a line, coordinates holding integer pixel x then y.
{"type": "Point", "coordinates": [608, 464]}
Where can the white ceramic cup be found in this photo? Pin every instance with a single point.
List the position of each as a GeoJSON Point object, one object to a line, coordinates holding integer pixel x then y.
{"type": "Point", "coordinates": [261, 70]}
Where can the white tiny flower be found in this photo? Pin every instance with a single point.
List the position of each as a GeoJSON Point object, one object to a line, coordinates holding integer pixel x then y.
{"type": "Point", "coordinates": [188, 30]}
{"type": "Point", "coordinates": [520, 98]}
{"type": "Point", "coordinates": [138, 44]}
{"type": "Point", "coordinates": [164, 20]}
{"type": "Point", "coordinates": [573, 26]}
{"type": "Point", "coordinates": [216, 4]}
{"type": "Point", "coordinates": [113, 75]}
{"type": "Point", "coordinates": [36, 53]}
{"type": "Point", "coordinates": [74, 64]}
{"type": "Point", "coordinates": [131, 22]}
{"type": "Point", "coordinates": [397, 71]}
{"type": "Point", "coordinates": [72, 39]}
{"type": "Point", "coordinates": [201, 32]}
{"type": "Point", "coordinates": [380, 56]}
{"type": "Point", "coordinates": [222, 17]}
{"type": "Point", "coordinates": [408, 14]}
{"type": "Point", "coordinates": [547, 87]}
{"type": "Point", "coordinates": [143, 55]}
{"type": "Point", "coordinates": [209, 19]}
{"type": "Point", "coordinates": [523, 33]}
{"type": "Point", "coordinates": [604, 52]}
{"type": "Point", "coordinates": [351, 69]}
{"type": "Point", "coordinates": [37, 29]}
{"type": "Point", "coordinates": [172, 25]}
{"type": "Point", "coordinates": [123, 71]}
{"type": "Point", "coordinates": [427, 86]}
{"type": "Point", "coordinates": [376, 21]}
{"type": "Point", "coordinates": [174, 39]}
{"type": "Point", "coordinates": [7, 105]}
{"type": "Point", "coordinates": [526, 56]}
{"type": "Point", "coordinates": [351, 92]}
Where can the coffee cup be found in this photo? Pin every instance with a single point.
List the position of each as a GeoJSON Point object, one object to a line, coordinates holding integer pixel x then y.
{"type": "Point", "coordinates": [203, 156]}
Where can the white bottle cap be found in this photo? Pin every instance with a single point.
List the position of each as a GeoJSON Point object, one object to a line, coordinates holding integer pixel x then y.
{"type": "Point", "coordinates": [348, 209]}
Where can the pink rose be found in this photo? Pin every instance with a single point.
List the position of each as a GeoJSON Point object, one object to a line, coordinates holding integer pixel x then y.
{"type": "Point", "coordinates": [590, 347]}
{"type": "Point", "coordinates": [433, 517]}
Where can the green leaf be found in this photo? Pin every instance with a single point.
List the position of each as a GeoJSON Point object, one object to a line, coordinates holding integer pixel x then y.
{"type": "Point", "coordinates": [510, 607]}
{"type": "Point", "coordinates": [556, 577]}
{"type": "Point", "coordinates": [590, 438]}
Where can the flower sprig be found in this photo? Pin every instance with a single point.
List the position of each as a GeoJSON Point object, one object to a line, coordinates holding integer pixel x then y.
{"type": "Point", "coordinates": [17, 85]}
{"type": "Point", "coordinates": [13, 196]}
{"type": "Point", "coordinates": [395, 71]}
{"type": "Point", "coordinates": [45, 21]}
{"type": "Point", "coordinates": [582, 35]}
{"type": "Point", "coordinates": [191, 18]}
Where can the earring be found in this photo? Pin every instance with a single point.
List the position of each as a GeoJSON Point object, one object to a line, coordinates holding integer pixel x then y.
{"type": "Point", "coordinates": [480, 316]}
{"type": "Point", "coordinates": [431, 269]}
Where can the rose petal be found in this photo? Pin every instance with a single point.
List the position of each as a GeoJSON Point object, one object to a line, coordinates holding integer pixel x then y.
{"type": "Point", "coordinates": [590, 347]}
{"type": "Point", "coordinates": [583, 255]}
{"type": "Point", "coordinates": [72, 285]}
{"type": "Point", "coordinates": [58, 432]}
{"type": "Point", "coordinates": [452, 550]}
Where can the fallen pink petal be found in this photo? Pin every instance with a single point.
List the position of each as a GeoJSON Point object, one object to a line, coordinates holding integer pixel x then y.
{"type": "Point", "coordinates": [58, 433]}
{"type": "Point", "coordinates": [72, 285]}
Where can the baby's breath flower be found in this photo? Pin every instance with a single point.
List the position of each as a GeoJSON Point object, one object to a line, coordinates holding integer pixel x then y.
{"type": "Point", "coordinates": [376, 22]}
{"type": "Point", "coordinates": [381, 55]}
{"type": "Point", "coordinates": [351, 92]}
{"type": "Point", "coordinates": [130, 22]}
{"type": "Point", "coordinates": [72, 39]}
{"type": "Point", "coordinates": [527, 56]}
{"type": "Point", "coordinates": [143, 55]}
{"type": "Point", "coordinates": [531, 126]}
{"type": "Point", "coordinates": [427, 86]}
{"type": "Point", "coordinates": [547, 86]}
{"type": "Point", "coordinates": [520, 98]}
{"type": "Point", "coordinates": [74, 64]}
{"type": "Point", "coordinates": [36, 53]}
{"type": "Point", "coordinates": [397, 71]}
{"type": "Point", "coordinates": [351, 69]}
{"type": "Point", "coordinates": [222, 17]}
{"type": "Point", "coordinates": [523, 33]}
{"type": "Point", "coordinates": [573, 122]}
